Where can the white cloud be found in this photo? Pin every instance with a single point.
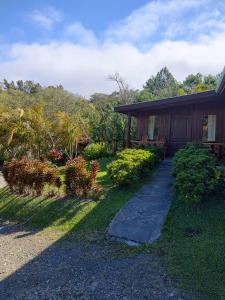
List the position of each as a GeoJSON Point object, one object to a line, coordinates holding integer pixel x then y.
{"type": "Point", "coordinates": [79, 34]}
{"type": "Point", "coordinates": [160, 19]}
{"type": "Point", "coordinates": [184, 35]}
{"type": "Point", "coordinates": [84, 69]}
{"type": "Point", "coordinates": [46, 18]}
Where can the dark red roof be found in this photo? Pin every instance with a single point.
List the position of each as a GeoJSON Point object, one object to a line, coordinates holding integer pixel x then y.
{"type": "Point", "coordinates": [168, 102]}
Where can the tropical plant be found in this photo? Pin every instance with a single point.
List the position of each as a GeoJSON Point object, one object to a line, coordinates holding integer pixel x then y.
{"type": "Point", "coordinates": [78, 180]}
{"type": "Point", "coordinates": [27, 176]}
{"type": "Point", "coordinates": [68, 131]}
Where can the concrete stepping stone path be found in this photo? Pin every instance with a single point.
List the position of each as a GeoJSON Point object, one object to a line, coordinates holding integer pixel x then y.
{"type": "Point", "coordinates": [140, 221]}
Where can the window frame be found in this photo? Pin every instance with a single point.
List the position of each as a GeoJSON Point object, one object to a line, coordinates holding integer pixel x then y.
{"type": "Point", "coordinates": [206, 128]}
{"type": "Point", "coordinates": [155, 128]}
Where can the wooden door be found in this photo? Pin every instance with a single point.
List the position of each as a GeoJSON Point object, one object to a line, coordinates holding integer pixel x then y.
{"type": "Point", "coordinates": [180, 131]}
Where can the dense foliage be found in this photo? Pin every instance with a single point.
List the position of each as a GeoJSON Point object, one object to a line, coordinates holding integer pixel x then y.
{"type": "Point", "coordinates": [131, 165]}
{"type": "Point", "coordinates": [34, 119]}
{"type": "Point", "coordinates": [220, 176]}
{"type": "Point", "coordinates": [28, 176]}
{"type": "Point", "coordinates": [79, 180]}
{"type": "Point", "coordinates": [96, 150]}
{"type": "Point", "coordinates": [34, 123]}
{"type": "Point", "coordinates": [164, 85]}
{"type": "Point", "coordinates": [158, 151]}
{"type": "Point", "coordinates": [194, 170]}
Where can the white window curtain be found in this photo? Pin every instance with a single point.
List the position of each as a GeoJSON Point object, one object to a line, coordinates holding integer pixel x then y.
{"type": "Point", "coordinates": [211, 128]}
{"type": "Point", "coordinates": [151, 127]}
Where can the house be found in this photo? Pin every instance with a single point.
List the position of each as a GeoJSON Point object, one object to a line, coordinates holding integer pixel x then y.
{"type": "Point", "coordinates": [173, 122]}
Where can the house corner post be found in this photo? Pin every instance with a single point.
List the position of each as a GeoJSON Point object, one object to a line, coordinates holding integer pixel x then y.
{"type": "Point", "coordinates": [128, 131]}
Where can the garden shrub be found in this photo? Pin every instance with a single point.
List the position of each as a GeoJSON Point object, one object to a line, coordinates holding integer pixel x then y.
{"type": "Point", "coordinates": [220, 175]}
{"type": "Point", "coordinates": [96, 150]}
{"type": "Point", "coordinates": [54, 155]}
{"type": "Point", "coordinates": [194, 172]}
{"type": "Point", "coordinates": [154, 149]}
{"type": "Point", "coordinates": [79, 180]}
{"type": "Point", "coordinates": [131, 165]}
{"type": "Point", "coordinates": [26, 176]}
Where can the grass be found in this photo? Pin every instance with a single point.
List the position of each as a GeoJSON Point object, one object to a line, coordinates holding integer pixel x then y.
{"type": "Point", "coordinates": [70, 217]}
{"type": "Point", "coordinates": [193, 246]}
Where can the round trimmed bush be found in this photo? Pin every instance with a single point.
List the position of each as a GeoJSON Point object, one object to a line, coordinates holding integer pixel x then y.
{"type": "Point", "coordinates": [96, 150]}
{"type": "Point", "coordinates": [131, 165]}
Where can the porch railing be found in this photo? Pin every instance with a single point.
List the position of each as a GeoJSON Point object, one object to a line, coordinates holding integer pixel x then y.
{"type": "Point", "coordinates": [217, 148]}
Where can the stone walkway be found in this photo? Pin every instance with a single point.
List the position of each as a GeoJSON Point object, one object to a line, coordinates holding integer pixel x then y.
{"type": "Point", "coordinates": [141, 219]}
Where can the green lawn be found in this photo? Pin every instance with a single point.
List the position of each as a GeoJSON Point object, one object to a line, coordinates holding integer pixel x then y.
{"type": "Point", "coordinates": [193, 246]}
{"type": "Point", "coordinates": [69, 216]}
{"type": "Point", "coordinates": [192, 243]}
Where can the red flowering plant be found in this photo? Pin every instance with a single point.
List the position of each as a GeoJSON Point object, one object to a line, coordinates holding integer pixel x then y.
{"type": "Point", "coordinates": [54, 155]}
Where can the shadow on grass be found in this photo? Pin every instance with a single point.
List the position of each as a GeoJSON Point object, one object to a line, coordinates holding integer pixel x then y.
{"type": "Point", "coordinates": [198, 259]}
{"type": "Point", "coordinates": [67, 214]}
{"type": "Point", "coordinates": [77, 220]}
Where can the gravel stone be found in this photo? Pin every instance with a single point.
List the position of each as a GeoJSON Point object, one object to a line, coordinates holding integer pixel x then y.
{"type": "Point", "coordinates": [36, 266]}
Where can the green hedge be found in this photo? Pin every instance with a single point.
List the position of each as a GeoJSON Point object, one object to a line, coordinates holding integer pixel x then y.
{"type": "Point", "coordinates": [96, 150]}
{"type": "Point", "coordinates": [131, 165]}
{"type": "Point", "coordinates": [194, 169]}
{"type": "Point", "coordinates": [158, 151]}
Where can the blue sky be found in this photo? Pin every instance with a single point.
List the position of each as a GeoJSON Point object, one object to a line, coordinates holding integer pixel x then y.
{"type": "Point", "coordinates": [94, 14]}
{"type": "Point", "coordinates": [79, 43]}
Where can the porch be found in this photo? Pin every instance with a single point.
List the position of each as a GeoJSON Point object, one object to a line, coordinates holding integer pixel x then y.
{"type": "Point", "coordinates": [217, 148]}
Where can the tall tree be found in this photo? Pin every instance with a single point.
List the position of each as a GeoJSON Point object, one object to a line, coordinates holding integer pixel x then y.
{"type": "Point", "coordinates": [162, 85]}
{"type": "Point", "coordinates": [210, 81]}
{"type": "Point", "coordinates": [191, 81]}
{"type": "Point", "coordinates": [143, 95]}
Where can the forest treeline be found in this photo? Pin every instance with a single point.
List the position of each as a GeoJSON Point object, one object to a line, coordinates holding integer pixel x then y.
{"type": "Point", "coordinates": [35, 119]}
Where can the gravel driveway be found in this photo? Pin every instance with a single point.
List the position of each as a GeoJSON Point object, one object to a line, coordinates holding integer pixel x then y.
{"type": "Point", "coordinates": [35, 266]}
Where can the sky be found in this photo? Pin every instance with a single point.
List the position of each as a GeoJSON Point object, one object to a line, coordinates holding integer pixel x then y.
{"type": "Point", "coordinates": [78, 43]}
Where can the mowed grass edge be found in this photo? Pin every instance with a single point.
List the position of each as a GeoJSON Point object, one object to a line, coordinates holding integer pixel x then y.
{"type": "Point", "coordinates": [68, 216]}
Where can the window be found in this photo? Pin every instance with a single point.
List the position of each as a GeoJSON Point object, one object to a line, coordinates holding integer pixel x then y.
{"type": "Point", "coordinates": [209, 128]}
{"type": "Point", "coordinates": [153, 127]}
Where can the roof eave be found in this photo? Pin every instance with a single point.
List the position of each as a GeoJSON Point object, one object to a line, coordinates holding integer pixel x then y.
{"type": "Point", "coordinates": [164, 103]}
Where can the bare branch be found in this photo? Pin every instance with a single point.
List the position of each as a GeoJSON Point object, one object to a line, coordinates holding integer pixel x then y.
{"type": "Point", "coordinates": [126, 94]}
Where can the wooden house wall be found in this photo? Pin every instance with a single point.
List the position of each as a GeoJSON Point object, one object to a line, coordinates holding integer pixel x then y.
{"type": "Point", "coordinates": [196, 113]}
